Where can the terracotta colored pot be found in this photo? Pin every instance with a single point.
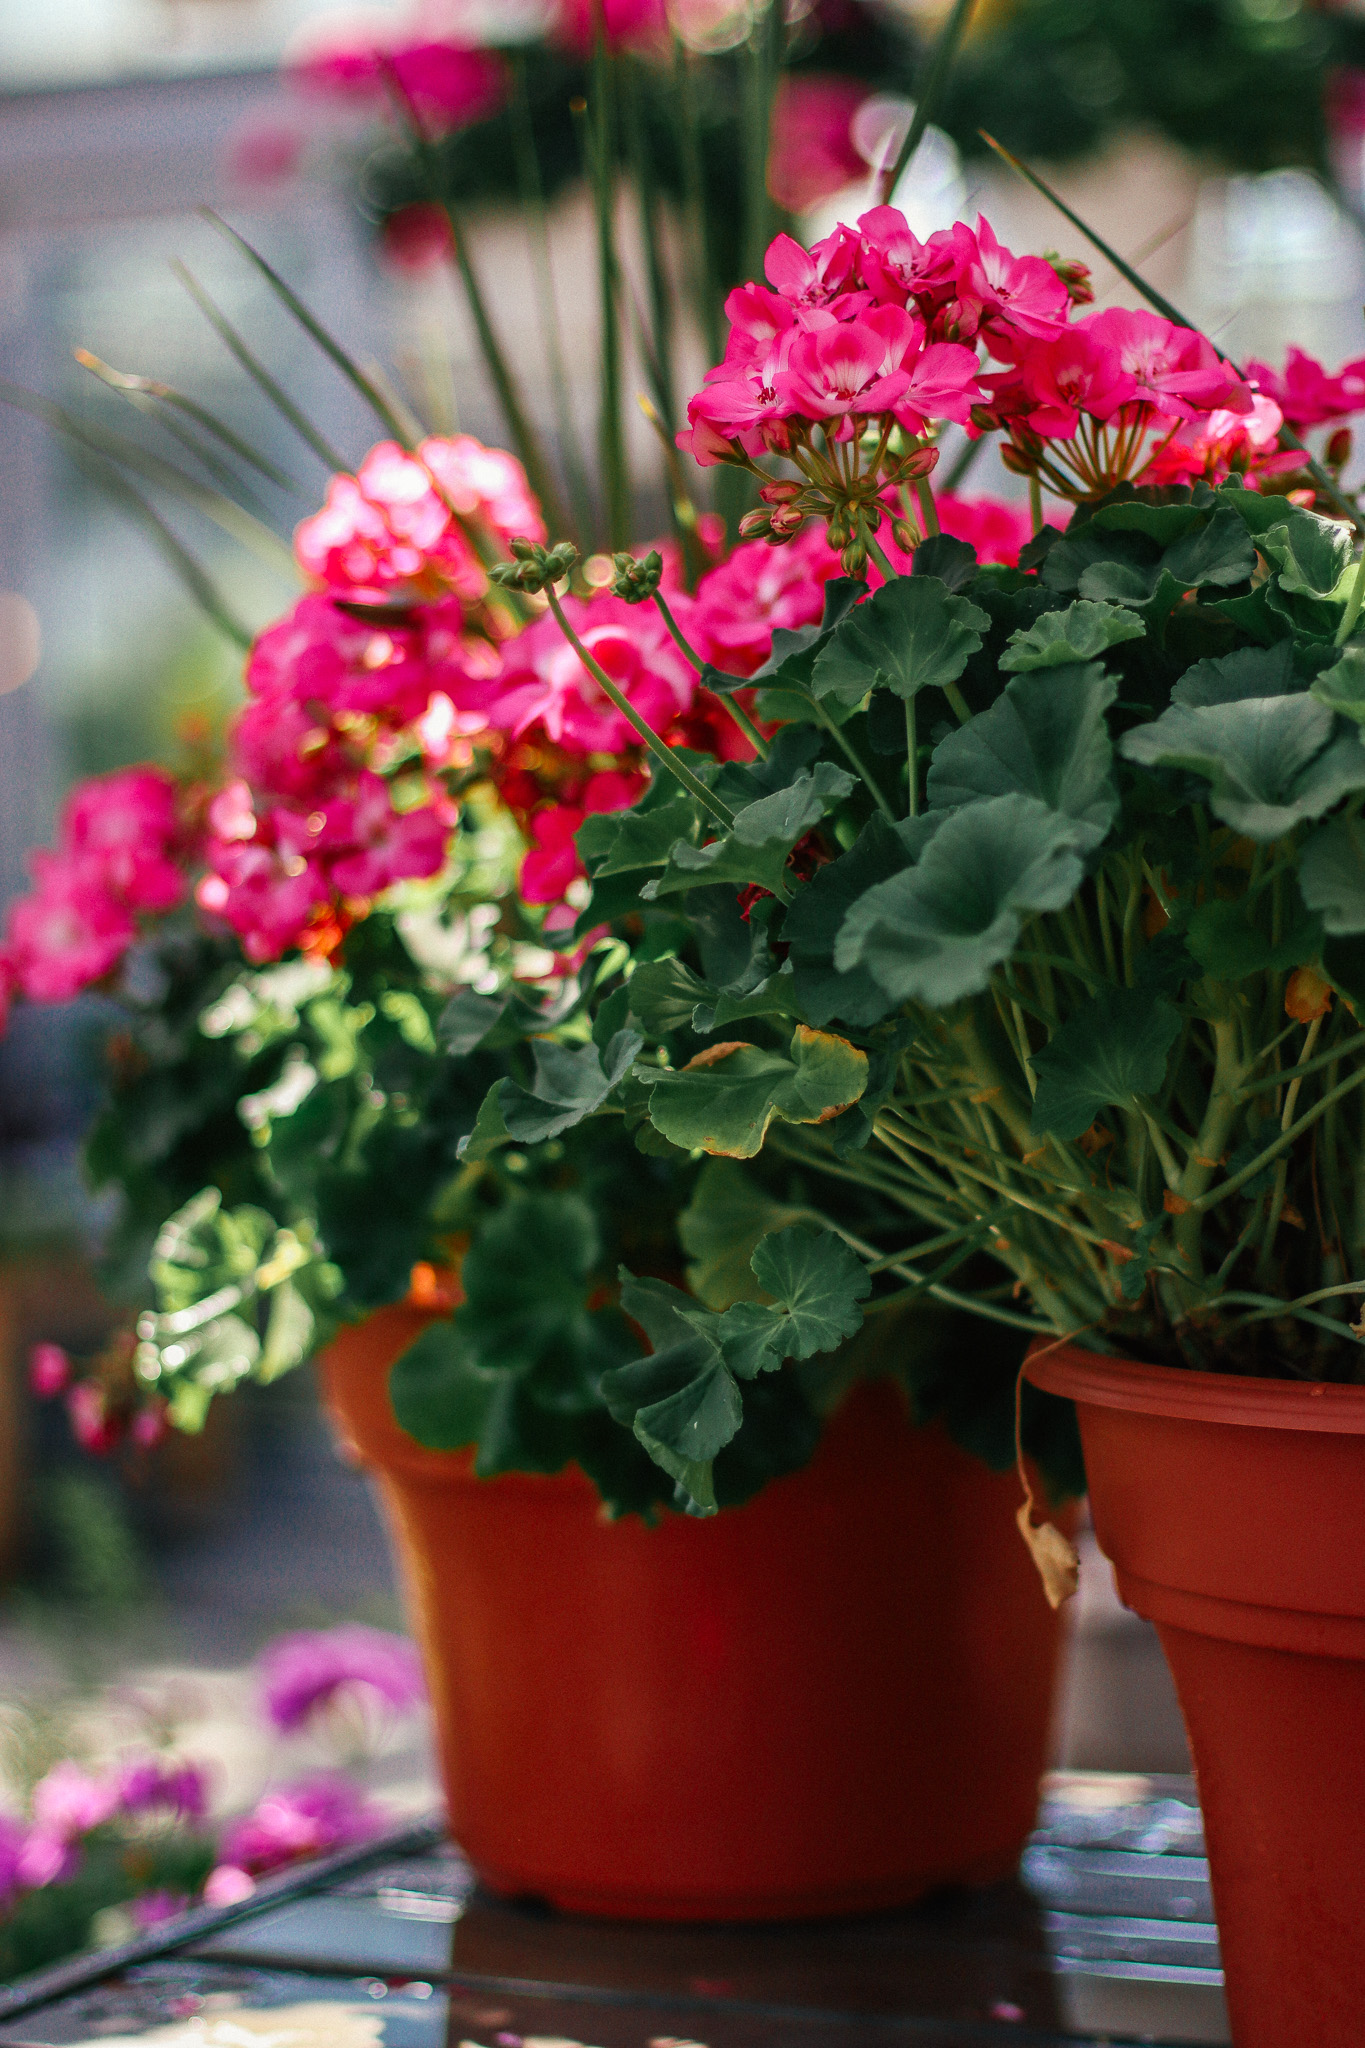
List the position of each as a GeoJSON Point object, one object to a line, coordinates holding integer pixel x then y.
{"type": "Point", "coordinates": [829, 1700]}
{"type": "Point", "coordinates": [1234, 1513]}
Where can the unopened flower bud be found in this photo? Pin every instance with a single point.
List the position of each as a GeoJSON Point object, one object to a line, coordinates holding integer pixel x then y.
{"type": "Point", "coordinates": [636, 581]}
{"type": "Point", "coordinates": [838, 530]}
{"type": "Point", "coordinates": [755, 525]}
{"type": "Point", "coordinates": [787, 521]}
{"type": "Point", "coordinates": [1075, 275]}
{"type": "Point", "coordinates": [1015, 460]}
{"type": "Point", "coordinates": [853, 558]}
{"type": "Point", "coordinates": [1307, 996]}
{"type": "Point", "coordinates": [534, 567]}
{"type": "Point", "coordinates": [780, 493]}
{"type": "Point", "coordinates": [984, 419]}
{"type": "Point", "coordinates": [919, 462]}
{"type": "Point", "coordinates": [1338, 451]}
{"type": "Point", "coordinates": [905, 536]}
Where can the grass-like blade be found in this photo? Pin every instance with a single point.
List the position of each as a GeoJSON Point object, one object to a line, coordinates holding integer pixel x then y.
{"type": "Point", "coordinates": [130, 384]}
{"type": "Point", "coordinates": [1161, 304]}
{"type": "Point", "coordinates": [259, 375]}
{"type": "Point", "coordinates": [600, 135]}
{"type": "Point", "coordinates": [532, 191]}
{"type": "Point", "coordinates": [191, 572]}
{"type": "Point", "coordinates": [687, 129]}
{"type": "Point", "coordinates": [225, 512]}
{"type": "Point", "coordinates": [651, 235]}
{"type": "Point", "coordinates": [931, 86]}
{"type": "Point", "coordinates": [314, 329]}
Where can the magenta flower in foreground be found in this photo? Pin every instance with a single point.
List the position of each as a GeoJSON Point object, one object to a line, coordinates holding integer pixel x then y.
{"type": "Point", "coordinates": [312, 1818]}
{"type": "Point", "coordinates": [303, 1673]}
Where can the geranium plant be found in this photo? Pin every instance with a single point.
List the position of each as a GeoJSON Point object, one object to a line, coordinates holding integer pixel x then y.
{"type": "Point", "coordinates": [1038, 918]}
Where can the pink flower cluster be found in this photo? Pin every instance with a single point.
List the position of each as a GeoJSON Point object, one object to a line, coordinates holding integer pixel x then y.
{"type": "Point", "coordinates": [71, 1802]}
{"type": "Point", "coordinates": [1306, 394]}
{"type": "Point", "coordinates": [120, 853]}
{"type": "Point", "coordinates": [314, 1817]}
{"type": "Point", "coordinates": [306, 1673]}
{"type": "Point", "coordinates": [446, 81]}
{"type": "Point", "coordinates": [868, 323]}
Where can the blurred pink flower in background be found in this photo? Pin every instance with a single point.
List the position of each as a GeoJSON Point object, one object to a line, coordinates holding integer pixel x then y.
{"type": "Point", "coordinates": [302, 1674]}
{"type": "Point", "coordinates": [156, 1786]}
{"type": "Point", "coordinates": [1307, 395]}
{"type": "Point", "coordinates": [626, 24]}
{"type": "Point", "coordinates": [995, 528]}
{"type": "Point", "coordinates": [49, 1370]}
{"type": "Point", "coordinates": [447, 80]}
{"type": "Point", "coordinates": [812, 154]}
{"type": "Point", "coordinates": [70, 932]}
{"type": "Point", "coordinates": [70, 1801]}
{"type": "Point", "coordinates": [311, 1818]}
{"type": "Point", "coordinates": [13, 1835]}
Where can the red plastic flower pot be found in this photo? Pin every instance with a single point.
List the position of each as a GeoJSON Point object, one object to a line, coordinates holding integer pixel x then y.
{"type": "Point", "coordinates": [831, 1699]}
{"type": "Point", "coordinates": [1234, 1513]}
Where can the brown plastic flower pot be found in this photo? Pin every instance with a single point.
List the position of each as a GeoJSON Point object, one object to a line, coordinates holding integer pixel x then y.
{"type": "Point", "coordinates": [831, 1699]}
{"type": "Point", "coordinates": [1234, 1513]}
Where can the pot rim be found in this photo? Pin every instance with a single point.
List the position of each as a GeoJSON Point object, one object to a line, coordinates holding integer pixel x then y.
{"type": "Point", "coordinates": [1101, 1381]}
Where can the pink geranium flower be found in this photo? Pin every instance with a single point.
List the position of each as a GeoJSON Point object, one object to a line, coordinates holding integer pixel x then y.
{"type": "Point", "coordinates": [545, 684]}
{"type": "Point", "coordinates": [70, 1801]}
{"type": "Point", "coordinates": [1176, 371]}
{"type": "Point", "coordinates": [302, 1674]}
{"type": "Point", "coordinates": [942, 386]}
{"type": "Point", "coordinates": [1306, 394]}
{"type": "Point", "coordinates": [626, 24]}
{"type": "Point", "coordinates": [126, 825]}
{"type": "Point", "coordinates": [310, 1818]}
{"type": "Point", "coordinates": [845, 368]}
{"type": "Point", "coordinates": [551, 862]}
{"type": "Point", "coordinates": [155, 1786]}
{"type": "Point", "coordinates": [811, 152]}
{"type": "Point", "coordinates": [898, 266]}
{"type": "Point", "coordinates": [995, 528]}
{"type": "Point", "coordinates": [1072, 373]}
{"type": "Point", "coordinates": [49, 1370]}
{"type": "Point", "coordinates": [447, 83]}
{"type": "Point", "coordinates": [71, 932]}
{"type": "Point", "coordinates": [814, 277]}
{"type": "Point", "coordinates": [369, 845]}
{"type": "Point", "coordinates": [1002, 294]}
{"type": "Point", "coordinates": [266, 889]}
{"type": "Point", "coordinates": [739, 603]}
{"type": "Point", "coordinates": [392, 529]}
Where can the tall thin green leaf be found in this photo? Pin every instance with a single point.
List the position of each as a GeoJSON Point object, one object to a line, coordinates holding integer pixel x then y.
{"type": "Point", "coordinates": [128, 383]}
{"type": "Point", "coordinates": [314, 329]}
{"type": "Point", "coordinates": [532, 191]}
{"type": "Point", "coordinates": [256, 370]}
{"type": "Point", "coordinates": [930, 89]}
{"type": "Point", "coordinates": [192, 574]}
{"type": "Point", "coordinates": [598, 127]}
{"type": "Point", "coordinates": [688, 132]}
{"type": "Point", "coordinates": [225, 512]}
{"type": "Point", "coordinates": [1158, 300]}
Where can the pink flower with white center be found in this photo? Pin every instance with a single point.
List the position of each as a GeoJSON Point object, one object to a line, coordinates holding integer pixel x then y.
{"type": "Point", "coordinates": [49, 1371]}
{"type": "Point", "coordinates": [302, 1674]}
{"type": "Point", "coordinates": [43, 1859]}
{"type": "Point", "coordinates": [1073, 373]}
{"type": "Point", "coordinates": [69, 933]}
{"type": "Point", "coordinates": [126, 825]}
{"type": "Point", "coordinates": [1306, 394]}
{"type": "Point", "coordinates": [311, 1818]}
{"type": "Point", "coordinates": [740, 403]}
{"type": "Point", "coordinates": [739, 603]}
{"type": "Point", "coordinates": [828, 270]}
{"type": "Point", "coordinates": [811, 152]}
{"type": "Point", "coordinates": [70, 1801]}
{"type": "Point", "coordinates": [368, 845]}
{"type": "Point", "coordinates": [545, 683]}
{"type": "Point", "coordinates": [388, 531]}
{"type": "Point", "coordinates": [757, 318]}
{"type": "Point", "coordinates": [1176, 371]}
{"type": "Point", "coordinates": [1223, 443]}
{"type": "Point", "coordinates": [840, 371]}
{"type": "Point", "coordinates": [1002, 294]}
{"type": "Point", "coordinates": [897, 266]}
{"type": "Point", "coordinates": [943, 386]}
{"type": "Point", "coordinates": [154, 1786]}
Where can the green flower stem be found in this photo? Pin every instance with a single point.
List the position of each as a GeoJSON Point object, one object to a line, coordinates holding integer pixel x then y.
{"type": "Point", "coordinates": [1213, 1196]}
{"type": "Point", "coordinates": [879, 556]}
{"type": "Point", "coordinates": [911, 760]}
{"type": "Point", "coordinates": [960, 708]}
{"type": "Point", "coordinates": [852, 756]}
{"type": "Point", "coordinates": [928, 509]}
{"type": "Point", "coordinates": [1035, 505]}
{"type": "Point", "coordinates": [662, 753]}
{"type": "Point", "coordinates": [736, 711]}
{"type": "Point", "coordinates": [1353, 604]}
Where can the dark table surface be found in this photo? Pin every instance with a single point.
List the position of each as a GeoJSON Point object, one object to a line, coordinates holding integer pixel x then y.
{"type": "Point", "coordinates": [1106, 1937]}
